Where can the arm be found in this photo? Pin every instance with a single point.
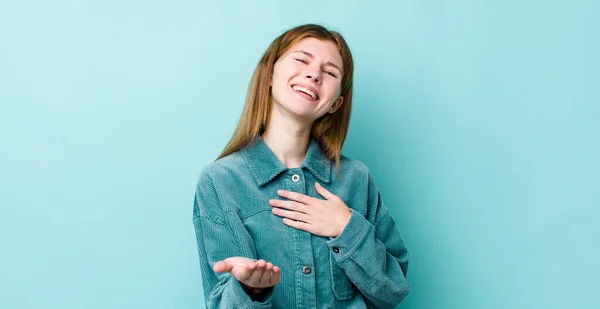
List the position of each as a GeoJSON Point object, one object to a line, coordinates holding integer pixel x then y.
{"type": "Point", "coordinates": [221, 235]}
{"type": "Point", "coordinates": [372, 253]}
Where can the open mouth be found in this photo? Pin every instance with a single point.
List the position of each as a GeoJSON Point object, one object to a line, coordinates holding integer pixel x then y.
{"type": "Point", "coordinates": [306, 92]}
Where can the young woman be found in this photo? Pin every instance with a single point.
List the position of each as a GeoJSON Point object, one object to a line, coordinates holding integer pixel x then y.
{"type": "Point", "coordinates": [282, 219]}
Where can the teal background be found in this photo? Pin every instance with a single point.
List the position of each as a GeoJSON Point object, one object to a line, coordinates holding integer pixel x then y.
{"type": "Point", "coordinates": [478, 119]}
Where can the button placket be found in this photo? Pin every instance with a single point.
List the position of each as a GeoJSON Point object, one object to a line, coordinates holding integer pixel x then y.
{"type": "Point", "coordinates": [295, 181]}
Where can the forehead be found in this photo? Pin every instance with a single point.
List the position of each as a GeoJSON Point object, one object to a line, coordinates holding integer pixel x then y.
{"type": "Point", "coordinates": [326, 50]}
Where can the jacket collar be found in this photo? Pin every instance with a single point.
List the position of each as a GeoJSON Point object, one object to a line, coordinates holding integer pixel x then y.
{"type": "Point", "coordinates": [265, 166]}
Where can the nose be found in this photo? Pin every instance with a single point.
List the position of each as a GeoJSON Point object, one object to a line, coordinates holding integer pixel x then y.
{"type": "Point", "coordinates": [314, 75]}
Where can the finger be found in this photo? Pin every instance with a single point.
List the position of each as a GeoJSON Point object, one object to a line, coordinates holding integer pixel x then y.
{"type": "Point", "coordinates": [298, 224]}
{"type": "Point", "coordinates": [298, 197]}
{"type": "Point", "coordinates": [291, 205]}
{"type": "Point", "coordinates": [229, 263]}
{"type": "Point", "coordinates": [222, 266]}
{"type": "Point", "coordinates": [324, 192]}
{"type": "Point", "coordinates": [266, 277]}
{"type": "Point", "coordinates": [294, 215]}
{"type": "Point", "coordinates": [255, 278]}
{"type": "Point", "coordinates": [275, 276]}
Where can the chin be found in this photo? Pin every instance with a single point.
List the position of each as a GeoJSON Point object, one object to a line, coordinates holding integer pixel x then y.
{"type": "Point", "coordinates": [299, 108]}
{"type": "Point", "coordinates": [301, 112]}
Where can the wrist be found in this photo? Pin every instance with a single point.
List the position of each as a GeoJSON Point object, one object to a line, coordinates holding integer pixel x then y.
{"type": "Point", "coordinates": [344, 223]}
{"type": "Point", "coordinates": [256, 294]}
{"type": "Point", "coordinates": [250, 289]}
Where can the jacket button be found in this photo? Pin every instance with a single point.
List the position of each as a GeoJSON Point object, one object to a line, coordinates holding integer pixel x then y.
{"type": "Point", "coordinates": [306, 270]}
{"type": "Point", "coordinates": [336, 249]}
{"type": "Point", "coordinates": [295, 178]}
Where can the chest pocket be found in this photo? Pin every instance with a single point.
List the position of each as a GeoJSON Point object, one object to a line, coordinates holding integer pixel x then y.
{"type": "Point", "coordinates": [343, 288]}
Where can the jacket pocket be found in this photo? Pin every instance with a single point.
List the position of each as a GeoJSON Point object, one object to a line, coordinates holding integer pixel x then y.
{"type": "Point", "coordinates": [343, 288]}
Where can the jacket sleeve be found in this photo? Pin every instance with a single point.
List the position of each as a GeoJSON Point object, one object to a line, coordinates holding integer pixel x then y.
{"type": "Point", "coordinates": [221, 235]}
{"type": "Point", "coordinates": [372, 253]}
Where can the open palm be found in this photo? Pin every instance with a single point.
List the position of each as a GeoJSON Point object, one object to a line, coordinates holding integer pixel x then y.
{"type": "Point", "coordinates": [254, 274]}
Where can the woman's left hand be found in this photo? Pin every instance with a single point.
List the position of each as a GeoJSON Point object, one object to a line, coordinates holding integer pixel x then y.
{"type": "Point", "coordinates": [326, 217]}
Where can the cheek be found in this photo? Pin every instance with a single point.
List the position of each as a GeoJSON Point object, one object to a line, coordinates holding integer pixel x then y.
{"type": "Point", "coordinates": [279, 78]}
{"type": "Point", "coordinates": [334, 91]}
{"type": "Point", "coordinates": [278, 87]}
{"type": "Point", "coordinates": [278, 81]}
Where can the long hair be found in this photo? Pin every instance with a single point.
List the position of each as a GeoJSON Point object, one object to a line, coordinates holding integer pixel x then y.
{"type": "Point", "coordinates": [329, 130]}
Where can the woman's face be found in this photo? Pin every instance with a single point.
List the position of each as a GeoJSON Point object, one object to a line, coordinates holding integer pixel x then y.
{"type": "Point", "coordinates": [307, 79]}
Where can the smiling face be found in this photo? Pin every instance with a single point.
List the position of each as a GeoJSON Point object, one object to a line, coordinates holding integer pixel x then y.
{"type": "Point", "coordinates": [307, 79]}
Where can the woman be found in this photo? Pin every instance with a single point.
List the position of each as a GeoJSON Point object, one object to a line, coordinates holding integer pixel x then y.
{"type": "Point", "coordinates": [276, 227]}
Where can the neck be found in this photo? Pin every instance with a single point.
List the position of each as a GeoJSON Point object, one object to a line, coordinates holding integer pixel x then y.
{"type": "Point", "coordinates": [287, 139]}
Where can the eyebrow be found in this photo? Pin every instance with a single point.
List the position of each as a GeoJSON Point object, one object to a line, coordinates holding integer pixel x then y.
{"type": "Point", "coordinates": [328, 62]}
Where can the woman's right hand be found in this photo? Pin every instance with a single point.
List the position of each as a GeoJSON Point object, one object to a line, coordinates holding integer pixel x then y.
{"type": "Point", "coordinates": [256, 275]}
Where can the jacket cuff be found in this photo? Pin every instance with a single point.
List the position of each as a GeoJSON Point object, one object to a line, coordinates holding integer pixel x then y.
{"type": "Point", "coordinates": [240, 299]}
{"type": "Point", "coordinates": [351, 237]}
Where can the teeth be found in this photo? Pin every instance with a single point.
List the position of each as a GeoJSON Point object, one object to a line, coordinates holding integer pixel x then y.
{"type": "Point", "coordinates": [310, 93]}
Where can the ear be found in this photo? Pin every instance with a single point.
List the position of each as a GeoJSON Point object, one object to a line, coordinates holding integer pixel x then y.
{"type": "Point", "coordinates": [336, 105]}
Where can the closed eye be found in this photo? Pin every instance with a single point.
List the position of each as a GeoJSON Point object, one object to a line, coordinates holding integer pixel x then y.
{"type": "Point", "coordinates": [306, 62]}
{"type": "Point", "coordinates": [330, 73]}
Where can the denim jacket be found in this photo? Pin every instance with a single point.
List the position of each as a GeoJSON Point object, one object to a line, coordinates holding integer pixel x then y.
{"type": "Point", "coordinates": [364, 267]}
